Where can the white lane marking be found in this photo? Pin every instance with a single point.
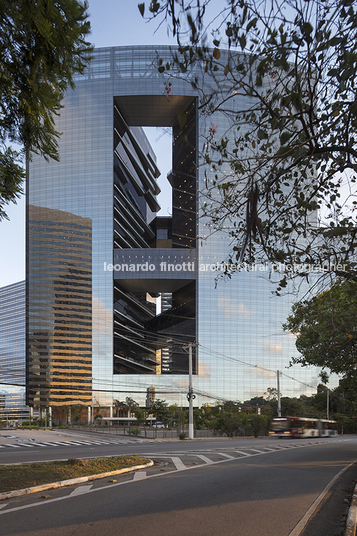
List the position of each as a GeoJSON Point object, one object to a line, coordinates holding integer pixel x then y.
{"type": "Point", "coordinates": [15, 446]}
{"type": "Point", "coordinates": [226, 455]}
{"type": "Point", "coordinates": [3, 505]}
{"type": "Point", "coordinates": [242, 452]}
{"type": "Point", "coordinates": [80, 490]}
{"type": "Point", "coordinates": [180, 466]}
{"type": "Point", "coordinates": [258, 451]}
{"type": "Point", "coordinates": [205, 459]}
{"type": "Point", "coordinates": [139, 475]}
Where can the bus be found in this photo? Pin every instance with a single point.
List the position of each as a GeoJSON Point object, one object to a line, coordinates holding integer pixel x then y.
{"type": "Point", "coordinates": [302, 427]}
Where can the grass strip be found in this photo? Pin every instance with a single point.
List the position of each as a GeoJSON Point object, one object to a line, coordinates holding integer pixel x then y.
{"type": "Point", "coordinates": [15, 477]}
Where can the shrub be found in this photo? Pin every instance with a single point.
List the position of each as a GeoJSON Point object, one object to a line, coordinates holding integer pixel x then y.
{"type": "Point", "coordinates": [134, 431]}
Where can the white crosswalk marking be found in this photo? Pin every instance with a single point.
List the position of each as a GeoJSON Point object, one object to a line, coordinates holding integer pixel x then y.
{"type": "Point", "coordinates": [101, 443]}
{"type": "Point", "coordinates": [205, 459]}
{"type": "Point", "coordinates": [85, 442]}
{"type": "Point", "coordinates": [226, 455]}
{"type": "Point", "coordinates": [94, 443]}
{"type": "Point", "coordinates": [42, 444]}
{"type": "Point", "coordinates": [139, 475]}
{"type": "Point", "coordinates": [63, 443]}
{"type": "Point", "coordinates": [178, 463]}
{"type": "Point", "coordinates": [71, 443]}
{"type": "Point", "coordinates": [80, 490]}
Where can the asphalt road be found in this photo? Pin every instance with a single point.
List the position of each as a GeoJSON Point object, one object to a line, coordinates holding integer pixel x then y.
{"type": "Point", "coordinates": [217, 487]}
{"type": "Point", "coordinates": [19, 446]}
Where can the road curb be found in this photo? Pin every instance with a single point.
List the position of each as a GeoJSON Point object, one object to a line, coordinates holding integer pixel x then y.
{"type": "Point", "coordinates": [351, 523]}
{"type": "Point", "coordinates": [70, 482]}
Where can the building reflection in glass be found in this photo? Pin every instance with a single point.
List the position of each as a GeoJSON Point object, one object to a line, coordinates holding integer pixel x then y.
{"type": "Point", "coordinates": [12, 352]}
{"type": "Point", "coordinates": [59, 297]}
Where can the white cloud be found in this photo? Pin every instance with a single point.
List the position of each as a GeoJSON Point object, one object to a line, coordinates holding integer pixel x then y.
{"type": "Point", "coordinates": [230, 308]}
{"type": "Point", "coordinates": [273, 347]}
{"type": "Point", "coordinates": [204, 370]}
{"type": "Point", "coordinates": [260, 371]}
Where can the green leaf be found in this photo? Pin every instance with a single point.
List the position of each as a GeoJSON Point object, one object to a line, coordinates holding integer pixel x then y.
{"type": "Point", "coordinates": [252, 23]}
{"type": "Point", "coordinates": [141, 9]}
{"type": "Point", "coordinates": [216, 53]}
{"type": "Point", "coordinates": [262, 134]}
{"type": "Point", "coordinates": [154, 6]}
{"type": "Point", "coordinates": [285, 137]}
{"type": "Point", "coordinates": [243, 41]}
{"type": "Point", "coordinates": [229, 31]}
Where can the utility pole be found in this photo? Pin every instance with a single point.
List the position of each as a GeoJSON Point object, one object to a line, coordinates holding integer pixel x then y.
{"type": "Point", "coordinates": [190, 395]}
{"type": "Point", "coordinates": [328, 403]}
{"type": "Point", "coordinates": [278, 388]}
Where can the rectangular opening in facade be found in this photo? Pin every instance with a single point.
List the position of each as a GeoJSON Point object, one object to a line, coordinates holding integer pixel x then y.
{"type": "Point", "coordinates": [154, 312]}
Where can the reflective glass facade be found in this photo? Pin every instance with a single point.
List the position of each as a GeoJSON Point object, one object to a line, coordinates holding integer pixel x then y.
{"type": "Point", "coordinates": [93, 323]}
{"type": "Point", "coordinates": [59, 294]}
{"type": "Point", "coordinates": [12, 351]}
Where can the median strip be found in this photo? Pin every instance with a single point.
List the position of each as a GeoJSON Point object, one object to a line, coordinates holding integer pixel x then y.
{"type": "Point", "coordinates": [18, 480]}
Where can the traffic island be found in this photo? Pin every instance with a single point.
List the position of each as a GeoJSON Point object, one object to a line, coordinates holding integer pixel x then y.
{"type": "Point", "coordinates": [23, 479]}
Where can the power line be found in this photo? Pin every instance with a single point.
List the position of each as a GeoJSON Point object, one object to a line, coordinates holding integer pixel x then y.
{"type": "Point", "coordinates": [230, 358]}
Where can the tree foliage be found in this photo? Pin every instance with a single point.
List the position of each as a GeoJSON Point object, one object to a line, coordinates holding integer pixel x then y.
{"type": "Point", "coordinates": [160, 409]}
{"type": "Point", "coordinates": [128, 404]}
{"type": "Point", "coordinates": [140, 415]}
{"type": "Point", "coordinates": [42, 47]}
{"type": "Point", "coordinates": [283, 75]}
{"type": "Point", "coordinates": [258, 424]}
{"type": "Point", "coordinates": [229, 423]}
{"type": "Point", "coordinates": [326, 330]}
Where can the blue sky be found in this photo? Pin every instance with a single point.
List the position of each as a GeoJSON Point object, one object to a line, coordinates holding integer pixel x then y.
{"type": "Point", "coordinates": [114, 23]}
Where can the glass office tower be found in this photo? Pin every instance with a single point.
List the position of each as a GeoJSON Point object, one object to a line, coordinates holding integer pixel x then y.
{"type": "Point", "coordinates": [114, 292]}
{"type": "Point", "coordinates": [12, 352]}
